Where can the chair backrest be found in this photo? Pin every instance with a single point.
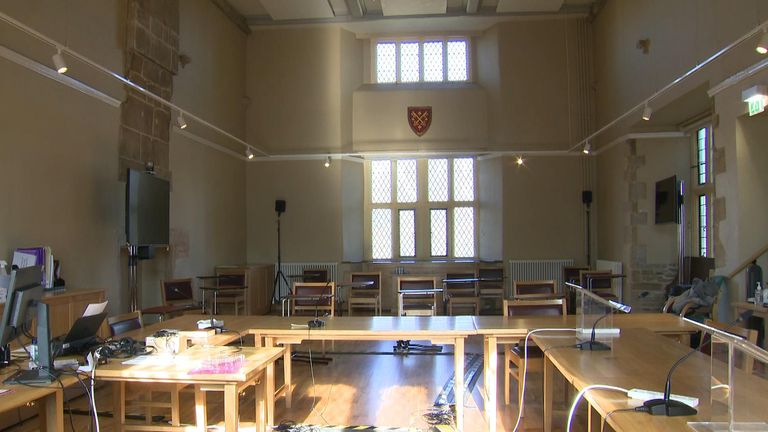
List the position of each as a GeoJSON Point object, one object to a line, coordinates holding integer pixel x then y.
{"type": "Point", "coordinates": [415, 283]}
{"type": "Point", "coordinates": [374, 277]}
{"type": "Point", "coordinates": [120, 324]}
{"type": "Point", "coordinates": [573, 274]}
{"type": "Point", "coordinates": [461, 287]}
{"type": "Point", "coordinates": [231, 278]}
{"type": "Point", "coordinates": [522, 288]}
{"type": "Point", "coordinates": [749, 335]}
{"type": "Point", "coordinates": [177, 291]}
{"type": "Point", "coordinates": [595, 279]}
{"type": "Point", "coordinates": [548, 307]}
{"type": "Point", "coordinates": [310, 289]}
{"type": "Point", "coordinates": [315, 275]}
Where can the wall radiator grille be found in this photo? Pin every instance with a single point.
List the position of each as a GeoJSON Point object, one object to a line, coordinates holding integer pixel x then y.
{"type": "Point", "coordinates": [537, 270]}
{"type": "Point", "coordinates": [615, 267]}
{"type": "Point", "coordinates": [297, 269]}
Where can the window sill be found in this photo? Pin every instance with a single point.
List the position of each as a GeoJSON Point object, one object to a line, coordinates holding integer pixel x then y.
{"type": "Point", "coordinates": [420, 86]}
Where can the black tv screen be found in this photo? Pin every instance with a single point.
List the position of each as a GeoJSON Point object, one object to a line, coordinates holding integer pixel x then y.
{"type": "Point", "coordinates": [147, 203]}
{"type": "Point", "coordinates": [668, 201]}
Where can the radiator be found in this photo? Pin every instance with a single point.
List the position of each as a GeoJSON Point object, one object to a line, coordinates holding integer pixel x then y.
{"type": "Point", "coordinates": [537, 270]}
{"type": "Point", "coordinates": [297, 269]}
{"type": "Point", "coordinates": [614, 267]}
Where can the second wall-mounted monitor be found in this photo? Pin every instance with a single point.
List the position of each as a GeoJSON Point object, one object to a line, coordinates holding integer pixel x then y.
{"type": "Point", "coordinates": [668, 200]}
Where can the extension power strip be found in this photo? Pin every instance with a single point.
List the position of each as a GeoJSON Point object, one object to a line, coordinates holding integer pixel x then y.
{"type": "Point", "coordinates": [645, 395]}
{"type": "Point", "coordinates": [204, 324]}
{"type": "Point", "coordinates": [601, 331]}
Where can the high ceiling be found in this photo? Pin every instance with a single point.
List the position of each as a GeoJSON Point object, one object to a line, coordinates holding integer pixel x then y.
{"type": "Point", "coordinates": [376, 16]}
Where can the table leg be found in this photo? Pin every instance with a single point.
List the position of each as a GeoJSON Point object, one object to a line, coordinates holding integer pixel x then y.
{"type": "Point", "coordinates": [458, 385]}
{"type": "Point", "coordinates": [490, 364]}
{"type": "Point", "coordinates": [593, 419]}
{"type": "Point", "coordinates": [287, 375]}
{"type": "Point", "coordinates": [231, 408]}
{"type": "Point", "coordinates": [269, 395]}
{"type": "Point", "coordinates": [549, 370]}
{"type": "Point", "coordinates": [118, 408]}
{"type": "Point", "coordinates": [51, 411]}
{"type": "Point", "coordinates": [201, 414]}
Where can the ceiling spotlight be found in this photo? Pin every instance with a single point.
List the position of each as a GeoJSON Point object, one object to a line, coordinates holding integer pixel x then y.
{"type": "Point", "coordinates": [647, 111]}
{"type": "Point", "coordinates": [327, 162]}
{"type": "Point", "coordinates": [248, 153]}
{"type": "Point", "coordinates": [180, 121]}
{"type": "Point", "coordinates": [587, 148]}
{"type": "Point", "coordinates": [59, 63]}
{"type": "Point", "coordinates": [519, 161]}
{"type": "Point", "coordinates": [762, 46]}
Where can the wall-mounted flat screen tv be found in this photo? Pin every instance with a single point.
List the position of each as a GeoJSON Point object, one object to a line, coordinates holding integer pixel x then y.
{"type": "Point", "coordinates": [668, 201]}
{"type": "Point", "coordinates": [147, 204]}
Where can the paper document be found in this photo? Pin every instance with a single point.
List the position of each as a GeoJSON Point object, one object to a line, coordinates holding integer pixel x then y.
{"type": "Point", "coordinates": [95, 308]}
{"type": "Point", "coordinates": [24, 260]}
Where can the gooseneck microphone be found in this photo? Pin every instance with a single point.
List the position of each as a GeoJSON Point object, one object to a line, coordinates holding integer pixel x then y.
{"type": "Point", "coordinates": [592, 344]}
{"type": "Point", "coordinates": [673, 408]}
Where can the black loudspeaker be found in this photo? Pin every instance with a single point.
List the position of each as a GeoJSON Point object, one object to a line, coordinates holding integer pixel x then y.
{"type": "Point", "coordinates": [280, 206]}
{"type": "Point", "coordinates": [586, 197]}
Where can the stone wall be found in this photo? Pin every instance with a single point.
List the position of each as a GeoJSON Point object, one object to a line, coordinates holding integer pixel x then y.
{"type": "Point", "coordinates": [152, 59]}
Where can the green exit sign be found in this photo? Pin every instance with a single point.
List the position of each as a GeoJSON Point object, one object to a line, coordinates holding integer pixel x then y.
{"type": "Point", "coordinates": [756, 105]}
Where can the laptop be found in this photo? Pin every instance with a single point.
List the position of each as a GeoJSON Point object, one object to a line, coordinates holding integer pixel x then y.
{"type": "Point", "coordinates": [82, 334]}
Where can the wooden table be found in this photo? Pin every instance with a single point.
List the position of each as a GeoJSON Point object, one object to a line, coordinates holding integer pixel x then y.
{"type": "Point", "coordinates": [235, 326]}
{"type": "Point", "coordinates": [438, 330]}
{"type": "Point", "coordinates": [258, 363]}
{"type": "Point", "coordinates": [639, 359]}
{"type": "Point", "coordinates": [506, 330]}
{"type": "Point", "coordinates": [49, 399]}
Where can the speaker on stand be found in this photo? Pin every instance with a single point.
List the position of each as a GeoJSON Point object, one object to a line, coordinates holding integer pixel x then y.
{"type": "Point", "coordinates": [279, 209]}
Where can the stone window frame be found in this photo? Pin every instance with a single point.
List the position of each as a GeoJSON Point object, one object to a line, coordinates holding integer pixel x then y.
{"type": "Point", "coordinates": [706, 189]}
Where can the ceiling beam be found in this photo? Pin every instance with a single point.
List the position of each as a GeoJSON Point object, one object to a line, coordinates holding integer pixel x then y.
{"type": "Point", "coordinates": [473, 6]}
{"type": "Point", "coordinates": [356, 8]}
{"type": "Point", "coordinates": [230, 12]}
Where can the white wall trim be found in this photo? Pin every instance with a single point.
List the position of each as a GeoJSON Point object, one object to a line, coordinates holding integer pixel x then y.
{"type": "Point", "coordinates": [47, 72]}
{"type": "Point", "coordinates": [362, 156]}
{"type": "Point", "coordinates": [737, 77]}
{"type": "Point", "coordinates": [200, 140]}
{"type": "Point", "coordinates": [644, 135]}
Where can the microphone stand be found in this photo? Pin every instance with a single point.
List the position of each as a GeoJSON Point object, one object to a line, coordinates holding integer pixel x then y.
{"type": "Point", "coordinates": [673, 408]}
{"type": "Point", "coordinates": [592, 344]}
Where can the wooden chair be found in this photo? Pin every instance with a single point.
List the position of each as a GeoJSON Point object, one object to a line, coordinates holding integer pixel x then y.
{"type": "Point", "coordinates": [746, 363]}
{"type": "Point", "coordinates": [572, 275]}
{"type": "Point", "coordinates": [306, 298]}
{"type": "Point", "coordinates": [124, 323]}
{"type": "Point", "coordinates": [462, 294]}
{"type": "Point", "coordinates": [132, 321]}
{"type": "Point", "coordinates": [367, 296]}
{"type": "Point", "coordinates": [237, 296]}
{"type": "Point", "coordinates": [514, 355]}
{"type": "Point", "coordinates": [416, 303]}
{"type": "Point", "coordinates": [599, 282]}
{"type": "Point", "coordinates": [178, 298]}
{"type": "Point", "coordinates": [491, 284]}
{"type": "Point", "coordinates": [533, 289]}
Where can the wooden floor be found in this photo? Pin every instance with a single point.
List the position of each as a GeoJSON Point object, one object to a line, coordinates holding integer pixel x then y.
{"type": "Point", "coordinates": [362, 389]}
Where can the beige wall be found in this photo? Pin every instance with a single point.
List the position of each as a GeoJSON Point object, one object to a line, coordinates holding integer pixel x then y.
{"type": "Point", "coordinates": [311, 227]}
{"type": "Point", "coordinates": [61, 148]}
{"type": "Point", "coordinates": [293, 83]}
{"type": "Point", "coordinates": [741, 187]}
{"type": "Point", "coordinates": [682, 33]}
{"type": "Point", "coordinates": [610, 207]}
{"type": "Point", "coordinates": [543, 209]}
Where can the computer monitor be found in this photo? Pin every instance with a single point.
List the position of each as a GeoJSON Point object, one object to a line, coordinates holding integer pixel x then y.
{"type": "Point", "coordinates": [24, 291]}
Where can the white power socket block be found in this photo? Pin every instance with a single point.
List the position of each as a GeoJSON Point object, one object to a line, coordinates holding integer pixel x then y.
{"type": "Point", "coordinates": [645, 395]}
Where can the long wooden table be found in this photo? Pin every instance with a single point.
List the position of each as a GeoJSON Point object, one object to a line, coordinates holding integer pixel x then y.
{"type": "Point", "coordinates": [439, 330]}
{"type": "Point", "coordinates": [639, 358]}
{"type": "Point", "coordinates": [49, 399]}
{"type": "Point", "coordinates": [258, 363]}
{"type": "Point", "coordinates": [507, 330]}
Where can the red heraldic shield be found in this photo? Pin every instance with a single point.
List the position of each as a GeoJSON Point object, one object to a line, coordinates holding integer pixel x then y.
{"type": "Point", "coordinates": [419, 119]}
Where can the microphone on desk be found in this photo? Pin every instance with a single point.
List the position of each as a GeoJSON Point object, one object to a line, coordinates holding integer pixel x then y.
{"type": "Point", "coordinates": [592, 344]}
{"type": "Point", "coordinates": [673, 408]}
